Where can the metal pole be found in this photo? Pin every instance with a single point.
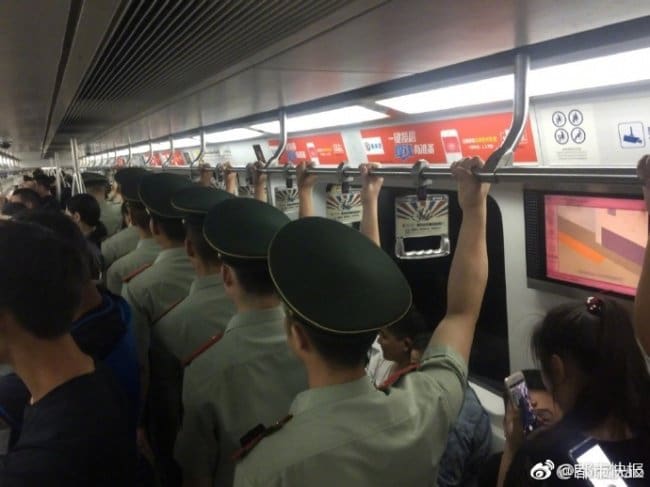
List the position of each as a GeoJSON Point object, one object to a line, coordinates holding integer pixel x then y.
{"type": "Point", "coordinates": [283, 139]}
{"type": "Point", "coordinates": [57, 173]}
{"type": "Point", "coordinates": [519, 115]}
{"type": "Point", "coordinates": [171, 153]}
{"type": "Point", "coordinates": [201, 152]}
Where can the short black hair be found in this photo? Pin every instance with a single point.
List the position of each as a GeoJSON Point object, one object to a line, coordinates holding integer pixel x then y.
{"type": "Point", "coordinates": [206, 253]}
{"type": "Point", "coordinates": [337, 349]}
{"type": "Point", "coordinates": [87, 207]}
{"type": "Point", "coordinates": [414, 326]}
{"type": "Point", "coordinates": [138, 214]}
{"type": "Point", "coordinates": [65, 229]}
{"type": "Point", "coordinates": [254, 279]}
{"type": "Point", "coordinates": [41, 279]}
{"type": "Point", "coordinates": [173, 228]}
{"type": "Point", "coordinates": [11, 209]}
{"type": "Point", "coordinates": [28, 196]}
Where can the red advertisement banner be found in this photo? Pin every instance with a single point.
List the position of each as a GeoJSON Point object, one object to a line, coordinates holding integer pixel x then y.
{"type": "Point", "coordinates": [445, 141]}
{"type": "Point", "coordinates": [322, 148]}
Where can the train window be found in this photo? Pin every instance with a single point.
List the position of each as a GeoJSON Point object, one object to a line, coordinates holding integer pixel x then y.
{"type": "Point", "coordinates": [489, 360]}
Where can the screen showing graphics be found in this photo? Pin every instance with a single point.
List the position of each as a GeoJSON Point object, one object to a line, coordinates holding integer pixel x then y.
{"type": "Point", "coordinates": [596, 242]}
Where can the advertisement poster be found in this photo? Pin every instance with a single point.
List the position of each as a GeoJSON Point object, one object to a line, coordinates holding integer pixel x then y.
{"type": "Point", "coordinates": [343, 207]}
{"type": "Point", "coordinates": [286, 199]}
{"type": "Point", "coordinates": [445, 141]}
{"type": "Point", "coordinates": [321, 149]}
{"type": "Point", "coordinates": [421, 218]}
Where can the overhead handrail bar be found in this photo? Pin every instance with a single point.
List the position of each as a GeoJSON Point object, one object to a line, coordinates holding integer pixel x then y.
{"type": "Point", "coordinates": [519, 116]}
{"type": "Point", "coordinates": [171, 153]}
{"type": "Point", "coordinates": [77, 181]}
{"type": "Point", "coordinates": [127, 163]}
{"type": "Point", "coordinates": [150, 158]}
{"type": "Point", "coordinates": [283, 139]}
{"type": "Point", "coordinates": [201, 153]}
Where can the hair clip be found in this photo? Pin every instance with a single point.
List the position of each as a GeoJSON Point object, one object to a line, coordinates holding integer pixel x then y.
{"type": "Point", "coordinates": [594, 305]}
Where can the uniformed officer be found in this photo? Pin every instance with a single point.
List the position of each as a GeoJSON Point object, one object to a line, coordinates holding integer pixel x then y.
{"type": "Point", "coordinates": [204, 313]}
{"type": "Point", "coordinates": [207, 309]}
{"type": "Point", "coordinates": [343, 431]}
{"type": "Point", "coordinates": [110, 215]}
{"type": "Point", "coordinates": [125, 240]}
{"type": "Point", "coordinates": [147, 249]}
{"type": "Point", "coordinates": [155, 289]}
{"type": "Point", "coordinates": [250, 375]}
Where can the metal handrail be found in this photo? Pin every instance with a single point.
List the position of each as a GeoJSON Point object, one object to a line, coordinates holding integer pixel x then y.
{"type": "Point", "coordinates": [171, 153]}
{"type": "Point", "coordinates": [150, 158]}
{"type": "Point", "coordinates": [283, 139]}
{"type": "Point", "coordinates": [202, 151]}
{"type": "Point", "coordinates": [519, 115]}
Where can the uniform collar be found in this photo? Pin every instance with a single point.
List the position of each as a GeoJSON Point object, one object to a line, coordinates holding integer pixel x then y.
{"type": "Point", "coordinates": [168, 254]}
{"type": "Point", "coordinates": [148, 243]}
{"type": "Point", "coordinates": [206, 282]}
{"type": "Point", "coordinates": [322, 396]}
{"type": "Point", "coordinates": [255, 317]}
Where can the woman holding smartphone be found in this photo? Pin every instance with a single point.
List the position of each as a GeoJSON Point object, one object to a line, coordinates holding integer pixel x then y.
{"type": "Point", "coordinates": [594, 368]}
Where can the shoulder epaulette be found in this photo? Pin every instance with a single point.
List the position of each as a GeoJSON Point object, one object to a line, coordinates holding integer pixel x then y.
{"type": "Point", "coordinates": [164, 313]}
{"type": "Point", "coordinates": [397, 376]}
{"type": "Point", "coordinates": [187, 361]}
{"type": "Point", "coordinates": [257, 434]}
{"type": "Point", "coordinates": [139, 270]}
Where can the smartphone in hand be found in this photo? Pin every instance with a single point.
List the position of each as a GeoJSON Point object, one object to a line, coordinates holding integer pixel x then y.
{"type": "Point", "coordinates": [520, 398]}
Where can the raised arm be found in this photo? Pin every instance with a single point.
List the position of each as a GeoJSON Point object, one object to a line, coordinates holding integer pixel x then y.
{"type": "Point", "coordinates": [306, 183]}
{"type": "Point", "coordinates": [260, 184]}
{"type": "Point", "coordinates": [370, 187]}
{"type": "Point", "coordinates": [469, 268]}
{"type": "Point", "coordinates": [641, 302]}
{"type": "Point", "coordinates": [230, 178]}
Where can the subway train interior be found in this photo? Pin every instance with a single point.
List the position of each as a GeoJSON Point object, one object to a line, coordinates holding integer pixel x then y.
{"type": "Point", "coordinates": [553, 95]}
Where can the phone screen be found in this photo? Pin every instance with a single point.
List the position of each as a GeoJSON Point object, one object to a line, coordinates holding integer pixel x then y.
{"type": "Point", "coordinates": [595, 456]}
{"type": "Point", "coordinates": [521, 399]}
{"type": "Point", "coordinates": [452, 144]}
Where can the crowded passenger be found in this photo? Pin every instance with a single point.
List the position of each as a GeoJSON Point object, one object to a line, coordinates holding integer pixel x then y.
{"type": "Point", "coordinates": [547, 413]}
{"type": "Point", "coordinates": [27, 197]}
{"type": "Point", "coordinates": [102, 325]}
{"type": "Point", "coordinates": [186, 325]}
{"type": "Point", "coordinates": [249, 376]}
{"type": "Point", "coordinates": [84, 211]}
{"type": "Point", "coordinates": [74, 430]}
{"type": "Point", "coordinates": [10, 209]}
{"type": "Point", "coordinates": [595, 370]}
{"type": "Point", "coordinates": [110, 215]}
{"type": "Point", "coordinates": [43, 186]}
{"type": "Point", "coordinates": [343, 431]}
{"type": "Point", "coordinates": [145, 250]}
{"type": "Point", "coordinates": [127, 239]}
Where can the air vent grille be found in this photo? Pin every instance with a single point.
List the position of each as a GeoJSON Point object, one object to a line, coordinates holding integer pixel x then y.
{"type": "Point", "coordinates": [159, 48]}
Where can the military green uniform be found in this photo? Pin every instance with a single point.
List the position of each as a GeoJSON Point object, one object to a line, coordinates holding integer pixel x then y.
{"type": "Point", "coordinates": [119, 245]}
{"type": "Point", "coordinates": [352, 434]}
{"type": "Point", "coordinates": [202, 314]}
{"type": "Point", "coordinates": [250, 376]}
{"type": "Point", "coordinates": [152, 292]}
{"type": "Point", "coordinates": [156, 289]}
{"type": "Point", "coordinates": [111, 216]}
{"type": "Point", "coordinates": [144, 254]}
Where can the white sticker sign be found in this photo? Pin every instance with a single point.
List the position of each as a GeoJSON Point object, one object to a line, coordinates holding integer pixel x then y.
{"type": "Point", "coordinates": [568, 135]}
{"type": "Point", "coordinates": [344, 207]}
{"type": "Point", "coordinates": [286, 199]}
{"type": "Point", "coordinates": [421, 218]}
